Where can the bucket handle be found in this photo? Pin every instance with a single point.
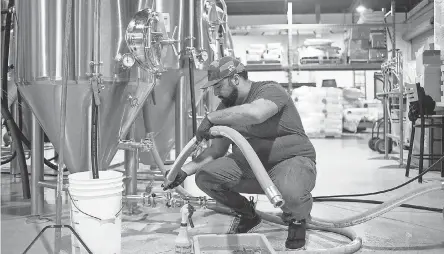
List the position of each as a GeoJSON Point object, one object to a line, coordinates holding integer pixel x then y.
{"type": "Point", "coordinates": [102, 221]}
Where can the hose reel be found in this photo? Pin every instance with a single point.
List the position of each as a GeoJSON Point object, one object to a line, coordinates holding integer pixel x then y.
{"type": "Point", "coordinates": [146, 38]}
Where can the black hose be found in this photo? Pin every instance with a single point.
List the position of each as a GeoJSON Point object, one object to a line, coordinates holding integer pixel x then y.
{"type": "Point", "coordinates": [366, 201]}
{"type": "Point", "coordinates": [19, 111]}
{"type": "Point", "coordinates": [25, 140]}
{"type": "Point", "coordinates": [20, 152]}
{"type": "Point", "coordinates": [383, 191]}
{"type": "Point", "coordinates": [5, 111]}
{"type": "Point", "coordinates": [222, 53]}
{"type": "Point", "coordinates": [193, 96]}
{"type": "Point", "coordinates": [94, 138]}
{"type": "Point", "coordinates": [9, 159]}
{"type": "Point", "coordinates": [5, 64]}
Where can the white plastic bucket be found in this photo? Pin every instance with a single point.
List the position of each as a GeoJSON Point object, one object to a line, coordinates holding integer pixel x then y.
{"type": "Point", "coordinates": [96, 206]}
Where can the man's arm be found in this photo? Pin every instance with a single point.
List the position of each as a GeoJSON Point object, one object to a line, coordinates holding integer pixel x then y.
{"type": "Point", "coordinates": [247, 114]}
{"type": "Point", "coordinates": [218, 148]}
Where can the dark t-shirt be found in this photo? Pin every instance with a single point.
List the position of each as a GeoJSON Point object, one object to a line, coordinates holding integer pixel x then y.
{"type": "Point", "coordinates": [280, 137]}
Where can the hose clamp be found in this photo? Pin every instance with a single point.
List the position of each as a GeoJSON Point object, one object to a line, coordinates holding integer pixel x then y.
{"type": "Point", "coordinates": [274, 196]}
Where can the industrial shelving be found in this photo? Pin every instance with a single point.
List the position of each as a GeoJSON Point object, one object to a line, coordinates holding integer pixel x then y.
{"type": "Point", "coordinates": [291, 29]}
{"type": "Point", "coordinates": [393, 79]}
{"type": "Point", "coordinates": [393, 94]}
{"type": "Point", "coordinates": [315, 67]}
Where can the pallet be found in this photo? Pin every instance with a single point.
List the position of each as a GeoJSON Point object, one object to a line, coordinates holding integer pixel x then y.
{"type": "Point", "coordinates": [359, 61]}
{"type": "Point", "coordinates": [321, 61]}
{"type": "Point", "coordinates": [324, 136]}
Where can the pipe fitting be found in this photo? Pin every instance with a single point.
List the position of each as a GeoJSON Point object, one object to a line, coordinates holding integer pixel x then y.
{"type": "Point", "coordinates": [144, 145]}
{"type": "Point", "coordinates": [274, 196]}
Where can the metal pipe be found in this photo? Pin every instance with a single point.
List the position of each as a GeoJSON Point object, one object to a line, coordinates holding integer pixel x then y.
{"type": "Point", "coordinates": [394, 28]}
{"type": "Point", "coordinates": [191, 23]}
{"type": "Point", "coordinates": [290, 45]}
{"type": "Point", "coordinates": [96, 36]}
{"type": "Point", "coordinates": [37, 150]}
{"type": "Point", "coordinates": [50, 185]}
{"type": "Point", "coordinates": [191, 13]}
{"type": "Point", "coordinates": [181, 115]}
{"type": "Point", "coordinates": [386, 126]}
{"type": "Point", "coordinates": [131, 165]}
{"type": "Point", "coordinates": [200, 24]}
{"type": "Point", "coordinates": [63, 98]}
{"type": "Point", "coordinates": [401, 108]}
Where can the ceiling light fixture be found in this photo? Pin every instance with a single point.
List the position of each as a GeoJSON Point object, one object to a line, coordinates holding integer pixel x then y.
{"type": "Point", "coordinates": [361, 8]}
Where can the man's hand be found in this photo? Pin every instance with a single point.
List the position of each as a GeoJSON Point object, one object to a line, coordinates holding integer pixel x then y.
{"type": "Point", "coordinates": [203, 132]}
{"type": "Point", "coordinates": [180, 177]}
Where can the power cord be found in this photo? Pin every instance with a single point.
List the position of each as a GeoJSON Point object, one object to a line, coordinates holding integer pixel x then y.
{"type": "Point", "coordinates": [384, 191]}
{"type": "Point", "coordinates": [365, 201]}
{"type": "Point", "coordinates": [340, 198]}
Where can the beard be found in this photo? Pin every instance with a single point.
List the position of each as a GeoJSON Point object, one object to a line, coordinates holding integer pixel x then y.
{"type": "Point", "coordinates": [231, 99]}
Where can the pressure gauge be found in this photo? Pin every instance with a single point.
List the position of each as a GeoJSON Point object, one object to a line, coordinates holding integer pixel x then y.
{"type": "Point", "coordinates": [204, 55]}
{"type": "Point", "coordinates": [128, 60]}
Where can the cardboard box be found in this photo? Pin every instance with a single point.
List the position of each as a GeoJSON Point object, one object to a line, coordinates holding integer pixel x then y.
{"type": "Point", "coordinates": [378, 40]}
{"type": "Point", "coordinates": [359, 54]}
{"type": "Point", "coordinates": [377, 54]}
{"type": "Point", "coordinates": [431, 81]}
{"type": "Point", "coordinates": [360, 33]}
{"type": "Point", "coordinates": [359, 44]}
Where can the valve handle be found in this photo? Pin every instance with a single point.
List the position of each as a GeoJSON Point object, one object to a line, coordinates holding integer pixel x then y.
{"type": "Point", "coordinates": [174, 50]}
{"type": "Point", "coordinates": [173, 41]}
{"type": "Point", "coordinates": [190, 221]}
{"type": "Point", "coordinates": [191, 210]}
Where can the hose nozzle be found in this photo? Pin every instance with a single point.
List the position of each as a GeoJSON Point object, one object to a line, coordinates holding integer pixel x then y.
{"type": "Point", "coordinates": [274, 196]}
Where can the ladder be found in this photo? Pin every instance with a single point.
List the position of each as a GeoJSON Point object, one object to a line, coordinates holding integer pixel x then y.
{"type": "Point", "coordinates": [360, 81]}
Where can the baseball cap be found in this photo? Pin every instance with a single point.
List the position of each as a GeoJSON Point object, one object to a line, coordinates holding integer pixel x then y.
{"type": "Point", "coordinates": [222, 68]}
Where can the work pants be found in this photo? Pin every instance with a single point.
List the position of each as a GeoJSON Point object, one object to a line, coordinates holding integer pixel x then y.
{"type": "Point", "coordinates": [224, 178]}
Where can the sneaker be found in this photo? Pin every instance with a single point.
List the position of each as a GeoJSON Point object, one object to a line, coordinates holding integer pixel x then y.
{"type": "Point", "coordinates": [296, 234]}
{"type": "Point", "coordinates": [242, 224]}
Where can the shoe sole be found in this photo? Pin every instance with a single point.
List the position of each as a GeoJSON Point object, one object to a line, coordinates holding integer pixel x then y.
{"type": "Point", "coordinates": [255, 228]}
{"type": "Point", "coordinates": [252, 230]}
{"type": "Point", "coordinates": [300, 249]}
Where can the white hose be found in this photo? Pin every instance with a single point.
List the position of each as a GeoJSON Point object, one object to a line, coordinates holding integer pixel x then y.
{"type": "Point", "coordinates": [259, 171]}
{"type": "Point", "coordinates": [314, 223]}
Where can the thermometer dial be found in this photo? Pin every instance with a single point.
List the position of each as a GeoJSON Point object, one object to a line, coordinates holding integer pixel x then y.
{"type": "Point", "coordinates": [128, 60]}
{"type": "Point", "coordinates": [204, 55]}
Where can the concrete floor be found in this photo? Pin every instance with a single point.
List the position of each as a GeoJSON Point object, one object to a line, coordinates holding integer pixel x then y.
{"type": "Point", "coordinates": [345, 166]}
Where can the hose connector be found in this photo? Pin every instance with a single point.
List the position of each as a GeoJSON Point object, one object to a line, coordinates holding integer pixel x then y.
{"type": "Point", "coordinates": [274, 196]}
